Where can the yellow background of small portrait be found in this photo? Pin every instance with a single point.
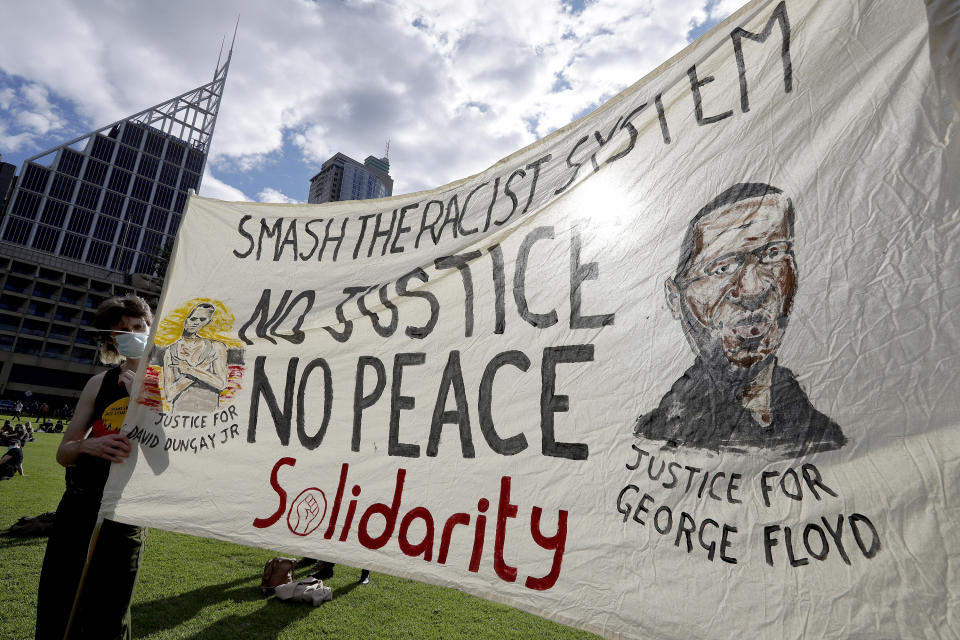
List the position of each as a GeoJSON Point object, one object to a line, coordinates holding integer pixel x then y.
{"type": "Point", "coordinates": [220, 328]}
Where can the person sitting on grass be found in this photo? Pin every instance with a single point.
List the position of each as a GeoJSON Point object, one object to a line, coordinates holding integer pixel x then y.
{"type": "Point", "coordinates": [12, 462]}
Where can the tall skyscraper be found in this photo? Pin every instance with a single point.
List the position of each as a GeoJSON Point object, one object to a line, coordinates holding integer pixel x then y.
{"type": "Point", "coordinates": [343, 178]}
{"type": "Point", "coordinates": [87, 220]}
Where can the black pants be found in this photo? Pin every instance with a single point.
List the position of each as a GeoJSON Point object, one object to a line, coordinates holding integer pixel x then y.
{"type": "Point", "coordinates": [103, 611]}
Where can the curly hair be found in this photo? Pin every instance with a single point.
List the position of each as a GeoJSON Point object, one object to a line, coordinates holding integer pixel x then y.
{"type": "Point", "coordinates": [112, 311]}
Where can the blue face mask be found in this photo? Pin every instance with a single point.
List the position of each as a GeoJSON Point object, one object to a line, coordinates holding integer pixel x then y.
{"type": "Point", "coordinates": [131, 345]}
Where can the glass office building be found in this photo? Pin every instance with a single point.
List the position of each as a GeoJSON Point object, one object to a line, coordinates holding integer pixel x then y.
{"type": "Point", "coordinates": [90, 219]}
{"type": "Point", "coordinates": [343, 178]}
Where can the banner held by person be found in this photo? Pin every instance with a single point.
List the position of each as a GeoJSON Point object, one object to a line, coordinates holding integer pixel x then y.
{"type": "Point", "coordinates": [684, 368]}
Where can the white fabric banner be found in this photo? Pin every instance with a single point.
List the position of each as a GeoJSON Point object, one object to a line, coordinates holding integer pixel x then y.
{"type": "Point", "coordinates": [686, 368]}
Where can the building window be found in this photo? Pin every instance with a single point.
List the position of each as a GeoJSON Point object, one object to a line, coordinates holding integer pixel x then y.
{"type": "Point", "coordinates": [70, 296]}
{"type": "Point", "coordinates": [132, 134]}
{"type": "Point", "coordinates": [174, 152]}
{"type": "Point", "coordinates": [39, 309]}
{"type": "Point", "coordinates": [195, 160]}
{"type": "Point", "coordinates": [154, 145]}
{"type": "Point", "coordinates": [163, 196]}
{"type": "Point", "coordinates": [79, 354]}
{"type": "Point", "coordinates": [151, 242]}
{"type": "Point", "coordinates": [35, 178]}
{"type": "Point", "coordinates": [17, 231]}
{"type": "Point", "coordinates": [70, 162]}
{"type": "Point", "coordinates": [157, 220]}
{"type": "Point", "coordinates": [53, 350]}
{"type": "Point", "coordinates": [12, 303]}
{"type": "Point", "coordinates": [62, 187]}
{"type": "Point", "coordinates": [26, 205]}
{"type": "Point", "coordinates": [112, 204]}
{"type": "Point", "coordinates": [122, 260]}
{"type": "Point", "coordinates": [180, 203]}
{"type": "Point", "coordinates": [46, 238]}
{"type": "Point", "coordinates": [119, 181]}
{"type": "Point", "coordinates": [105, 229]}
{"type": "Point", "coordinates": [95, 172]}
{"type": "Point", "coordinates": [98, 253]}
{"type": "Point", "coordinates": [30, 347]}
{"type": "Point", "coordinates": [126, 158]}
{"type": "Point", "coordinates": [144, 263]}
{"type": "Point", "coordinates": [148, 166]}
{"type": "Point", "coordinates": [168, 174]}
{"type": "Point", "coordinates": [80, 220]}
{"type": "Point", "coordinates": [72, 246]}
{"type": "Point", "coordinates": [66, 314]}
{"type": "Point", "coordinates": [141, 189]}
{"type": "Point", "coordinates": [9, 323]}
{"type": "Point", "coordinates": [34, 327]}
{"type": "Point", "coordinates": [87, 196]}
{"type": "Point", "coordinates": [189, 181]}
{"type": "Point", "coordinates": [136, 211]}
{"type": "Point", "coordinates": [129, 236]}
{"type": "Point", "coordinates": [102, 148]}
{"type": "Point", "coordinates": [54, 213]}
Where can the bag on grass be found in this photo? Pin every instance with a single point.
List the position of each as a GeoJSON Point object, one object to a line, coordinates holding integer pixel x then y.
{"type": "Point", "coordinates": [309, 590]}
{"type": "Point", "coordinates": [28, 526]}
{"type": "Point", "coordinates": [276, 572]}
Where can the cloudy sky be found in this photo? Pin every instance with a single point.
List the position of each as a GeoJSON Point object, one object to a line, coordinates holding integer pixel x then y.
{"type": "Point", "coordinates": [455, 85]}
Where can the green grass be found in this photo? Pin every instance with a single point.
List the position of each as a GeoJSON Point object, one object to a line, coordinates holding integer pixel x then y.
{"type": "Point", "coordinates": [194, 588]}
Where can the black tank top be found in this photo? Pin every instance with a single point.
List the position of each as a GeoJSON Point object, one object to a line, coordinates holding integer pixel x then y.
{"type": "Point", "coordinates": [89, 474]}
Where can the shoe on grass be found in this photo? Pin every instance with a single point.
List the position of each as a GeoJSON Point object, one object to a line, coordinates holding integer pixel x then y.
{"type": "Point", "coordinates": [323, 570]}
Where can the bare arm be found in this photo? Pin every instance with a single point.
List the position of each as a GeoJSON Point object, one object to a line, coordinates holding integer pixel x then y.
{"type": "Point", "coordinates": [113, 447]}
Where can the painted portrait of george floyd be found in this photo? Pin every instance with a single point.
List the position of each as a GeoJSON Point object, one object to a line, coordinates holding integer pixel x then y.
{"type": "Point", "coordinates": [732, 293]}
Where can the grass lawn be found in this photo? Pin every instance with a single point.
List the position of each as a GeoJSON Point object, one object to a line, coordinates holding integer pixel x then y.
{"type": "Point", "coordinates": [194, 588]}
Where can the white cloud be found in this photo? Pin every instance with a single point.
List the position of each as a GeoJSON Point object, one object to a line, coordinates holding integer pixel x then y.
{"type": "Point", "coordinates": [455, 84]}
{"type": "Point", "coordinates": [6, 98]}
{"type": "Point", "coordinates": [29, 113]}
{"type": "Point", "coordinates": [211, 187]}
{"type": "Point", "coordinates": [14, 142]}
{"type": "Point", "coordinates": [34, 122]}
{"type": "Point", "coordinates": [724, 8]}
{"type": "Point", "coordinates": [272, 195]}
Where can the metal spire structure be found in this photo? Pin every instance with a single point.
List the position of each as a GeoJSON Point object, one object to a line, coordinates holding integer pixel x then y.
{"type": "Point", "coordinates": [113, 197]}
{"type": "Point", "coordinates": [88, 220]}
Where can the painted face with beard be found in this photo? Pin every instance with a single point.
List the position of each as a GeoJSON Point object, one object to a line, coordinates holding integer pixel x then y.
{"type": "Point", "coordinates": [736, 294]}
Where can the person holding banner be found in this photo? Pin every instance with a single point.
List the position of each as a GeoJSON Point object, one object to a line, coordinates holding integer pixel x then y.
{"type": "Point", "coordinates": [94, 602]}
{"type": "Point", "coordinates": [732, 293]}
